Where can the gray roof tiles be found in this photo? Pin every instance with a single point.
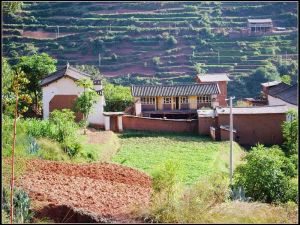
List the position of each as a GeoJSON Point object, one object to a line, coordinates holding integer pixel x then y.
{"type": "Point", "coordinates": [285, 92]}
{"type": "Point", "coordinates": [175, 90]}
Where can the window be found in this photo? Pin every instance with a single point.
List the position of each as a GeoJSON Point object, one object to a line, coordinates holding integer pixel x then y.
{"type": "Point", "coordinates": [204, 99]}
{"type": "Point", "coordinates": [167, 100]}
{"type": "Point", "coordinates": [148, 101]}
{"type": "Point", "coordinates": [184, 100]}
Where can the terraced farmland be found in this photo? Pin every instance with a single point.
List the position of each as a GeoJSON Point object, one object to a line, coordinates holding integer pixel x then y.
{"type": "Point", "coordinates": [152, 42]}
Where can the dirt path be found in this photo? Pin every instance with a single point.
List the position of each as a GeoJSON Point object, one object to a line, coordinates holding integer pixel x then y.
{"type": "Point", "coordinates": [93, 192]}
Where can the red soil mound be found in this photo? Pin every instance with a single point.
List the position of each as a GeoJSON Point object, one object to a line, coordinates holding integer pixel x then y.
{"type": "Point", "coordinates": [106, 191]}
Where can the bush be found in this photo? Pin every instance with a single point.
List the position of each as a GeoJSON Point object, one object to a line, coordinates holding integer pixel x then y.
{"type": "Point", "coordinates": [265, 175]}
{"type": "Point", "coordinates": [50, 150]}
{"type": "Point", "coordinates": [22, 212]}
{"type": "Point", "coordinates": [290, 133]}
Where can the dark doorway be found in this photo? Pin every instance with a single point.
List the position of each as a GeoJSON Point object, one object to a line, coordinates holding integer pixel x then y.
{"type": "Point", "coordinates": [176, 102]}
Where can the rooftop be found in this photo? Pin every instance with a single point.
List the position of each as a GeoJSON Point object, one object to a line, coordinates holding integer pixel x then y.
{"type": "Point", "coordinates": [259, 20]}
{"type": "Point", "coordinates": [213, 77]}
{"type": "Point", "coordinates": [271, 83]}
{"type": "Point", "coordinates": [253, 109]}
{"type": "Point", "coordinates": [285, 92]}
{"type": "Point", "coordinates": [64, 71]}
{"type": "Point", "coordinates": [175, 90]}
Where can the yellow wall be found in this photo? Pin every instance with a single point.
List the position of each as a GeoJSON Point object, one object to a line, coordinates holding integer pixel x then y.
{"type": "Point", "coordinates": [193, 102]}
{"type": "Point", "coordinates": [160, 102]}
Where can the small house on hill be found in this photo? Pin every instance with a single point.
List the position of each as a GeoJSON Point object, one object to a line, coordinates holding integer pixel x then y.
{"type": "Point", "coordinates": [60, 92]}
{"type": "Point", "coordinates": [259, 26]}
{"type": "Point", "coordinates": [174, 101]}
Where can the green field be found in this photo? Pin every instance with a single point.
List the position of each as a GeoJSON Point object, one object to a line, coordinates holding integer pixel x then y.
{"type": "Point", "coordinates": [196, 156]}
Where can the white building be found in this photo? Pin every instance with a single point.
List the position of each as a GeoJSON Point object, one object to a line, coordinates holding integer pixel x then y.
{"type": "Point", "coordinates": [60, 91]}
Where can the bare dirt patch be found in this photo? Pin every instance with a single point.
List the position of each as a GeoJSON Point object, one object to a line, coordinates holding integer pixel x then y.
{"type": "Point", "coordinates": [100, 191]}
{"type": "Point", "coordinates": [43, 34]}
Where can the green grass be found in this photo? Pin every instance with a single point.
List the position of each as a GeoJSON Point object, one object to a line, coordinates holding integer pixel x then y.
{"type": "Point", "coordinates": [197, 156]}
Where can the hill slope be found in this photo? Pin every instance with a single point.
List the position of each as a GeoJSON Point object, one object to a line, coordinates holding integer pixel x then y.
{"type": "Point", "coordinates": [160, 40]}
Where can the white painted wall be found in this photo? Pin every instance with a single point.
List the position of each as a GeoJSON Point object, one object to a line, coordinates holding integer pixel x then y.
{"type": "Point", "coordinates": [67, 86]}
{"type": "Point", "coordinates": [138, 106]}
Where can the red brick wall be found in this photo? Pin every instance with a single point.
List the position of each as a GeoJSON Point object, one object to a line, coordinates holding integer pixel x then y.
{"type": "Point", "coordinates": [225, 135]}
{"type": "Point", "coordinates": [204, 124]}
{"type": "Point", "coordinates": [223, 89]}
{"type": "Point", "coordinates": [262, 128]}
{"type": "Point", "coordinates": [64, 102]}
{"type": "Point", "coordinates": [157, 124]}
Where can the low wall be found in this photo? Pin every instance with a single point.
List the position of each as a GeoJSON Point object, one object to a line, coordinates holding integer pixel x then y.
{"type": "Point", "coordinates": [157, 124]}
{"type": "Point", "coordinates": [204, 124]}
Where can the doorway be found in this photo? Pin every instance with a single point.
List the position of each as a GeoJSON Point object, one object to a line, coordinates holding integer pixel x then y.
{"type": "Point", "coordinates": [176, 103]}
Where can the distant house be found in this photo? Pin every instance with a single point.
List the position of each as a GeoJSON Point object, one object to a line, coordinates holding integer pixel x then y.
{"type": "Point", "coordinates": [278, 93]}
{"type": "Point", "coordinates": [60, 91]}
{"type": "Point", "coordinates": [259, 26]}
{"type": "Point", "coordinates": [221, 79]}
{"type": "Point", "coordinates": [174, 101]}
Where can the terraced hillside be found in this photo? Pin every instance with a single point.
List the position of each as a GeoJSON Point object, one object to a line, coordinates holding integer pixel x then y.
{"type": "Point", "coordinates": [153, 42]}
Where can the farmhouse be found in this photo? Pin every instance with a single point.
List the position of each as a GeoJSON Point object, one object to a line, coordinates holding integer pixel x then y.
{"type": "Point", "coordinates": [60, 91]}
{"type": "Point", "coordinates": [174, 101]}
{"type": "Point", "coordinates": [259, 26]}
{"type": "Point", "coordinates": [221, 79]}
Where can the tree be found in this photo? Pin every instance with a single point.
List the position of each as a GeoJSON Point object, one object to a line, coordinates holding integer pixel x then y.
{"type": "Point", "coordinates": [266, 174]}
{"type": "Point", "coordinates": [199, 68]}
{"type": "Point", "coordinates": [12, 7]}
{"type": "Point", "coordinates": [19, 80]}
{"type": "Point", "coordinates": [290, 133]}
{"type": "Point", "coordinates": [7, 76]}
{"type": "Point", "coordinates": [36, 67]}
{"type": "Point", "coordinates": [92, 70]}
{"type": "Point", "coordinates": [86, 100]}
{"type": "Point", "coordinates": [117, 97]}
{"type": "Point", "coordinates": [286, 79]}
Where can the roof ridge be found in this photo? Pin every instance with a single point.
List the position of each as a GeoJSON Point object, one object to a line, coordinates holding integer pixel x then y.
{"type": "Point", "coordinates": [172, 85]}
{"type": "Point", "coordinates": [76, 70]}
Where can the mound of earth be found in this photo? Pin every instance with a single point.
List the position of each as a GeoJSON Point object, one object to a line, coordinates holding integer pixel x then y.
{"type": "Point", "coordinates": [95, 192]}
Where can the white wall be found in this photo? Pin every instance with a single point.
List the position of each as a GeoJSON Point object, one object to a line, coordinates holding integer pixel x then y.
{"type": "Point", "coordinates": [67, 86]}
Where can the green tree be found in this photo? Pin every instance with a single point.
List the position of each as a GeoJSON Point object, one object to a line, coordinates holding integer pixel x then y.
{"type": "Point", "coordinates": [286, 79]}
{"type": "Point", "coordinates": [36, 67]}
{"type": "Point", "coordinates": [117, 97]}
{"type": "Point", "coordinates": [199, 68]}
{"type": "Point", "coordinates": [290, 133]}
{"type": "Point", "coordinates": [266, 174]}
{"type": "Point", "coordinates": [86, 100]}
{"type": "Point", "coordinates": [7, 76]}
{"type": "Point", "coordinates": [12, 7]}
{"type": "Point", "coordinates": [92, 70]}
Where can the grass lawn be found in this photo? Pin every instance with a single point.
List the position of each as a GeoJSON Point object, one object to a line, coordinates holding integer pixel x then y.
{"type": "Point", "coordinates": [197, 156]}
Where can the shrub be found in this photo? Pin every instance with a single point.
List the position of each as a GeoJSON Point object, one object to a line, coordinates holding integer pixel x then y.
{"type": "Point", "coordinates": [51, 150]}
{"type": "Point", "coordinates": [290, 133]}
{"type": "Point", "coordinates": [22, 212]}
{"type": "Point", "coordinates": [265, 175]}
{"type": "Point", "coordinates": [156, 60]}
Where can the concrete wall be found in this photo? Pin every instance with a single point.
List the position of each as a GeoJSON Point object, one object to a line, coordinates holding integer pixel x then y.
{"type": "Point", "coordinates": [157, 124]}
{"type": "Point", "coordinates": [67, 86]}
{"type": "Point", "coordinates": [251, 129]}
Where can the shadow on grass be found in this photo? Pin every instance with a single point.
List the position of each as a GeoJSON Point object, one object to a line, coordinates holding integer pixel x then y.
{"type": "Point", "coordinates": [182, 136]}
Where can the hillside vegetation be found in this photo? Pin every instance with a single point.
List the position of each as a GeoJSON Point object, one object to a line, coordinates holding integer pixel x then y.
{"type": "Point", "coordinates": [154, 42]}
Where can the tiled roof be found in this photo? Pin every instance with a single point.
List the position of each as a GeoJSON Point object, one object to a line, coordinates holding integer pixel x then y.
{"type": "Point", "coordinates": [65, 71]}
{"type": "Point", "coordinates": [253, 109]}
{"type": "Point", "coordinates": [259, 20]}
{"type": "Point", "coordinates": [285, 92]}
{"type": "Point", "coordinates": [175, 90]}
{"type": "Point", "coordinates": [213, 77]}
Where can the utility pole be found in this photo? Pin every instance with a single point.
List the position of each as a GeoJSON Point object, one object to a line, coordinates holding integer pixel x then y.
{"type": "Point", "coordinates": [231, 141]}
{"type": "Point", "coordinates": [99, 58]}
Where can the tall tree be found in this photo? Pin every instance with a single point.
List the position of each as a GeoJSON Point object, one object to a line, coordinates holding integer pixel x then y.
{"type": "Point", "coordinates": [36, 67]}
{"type": "Point", "coordinates": [19, 80]}
{"type": "Point", "coordinates": [86, 100]}
{"type": "Point", "coordinates": [12, 7]}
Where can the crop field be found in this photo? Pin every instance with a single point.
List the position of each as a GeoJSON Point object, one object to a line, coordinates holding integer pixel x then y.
{"type": "Point", "coordinates": [156, 42]}
{"type": "Point", "coordinates": [195, 156]}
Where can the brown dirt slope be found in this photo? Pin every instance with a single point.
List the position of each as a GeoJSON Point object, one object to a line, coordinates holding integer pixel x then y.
{"type": "Point", "coordinates": [84, 192]}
